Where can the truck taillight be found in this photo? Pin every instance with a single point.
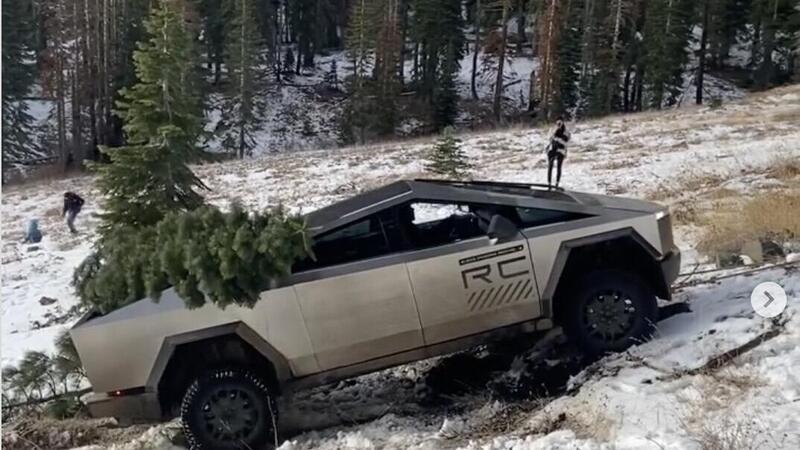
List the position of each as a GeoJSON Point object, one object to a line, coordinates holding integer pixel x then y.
{"type": "Point", "coordinates": [124, 392]}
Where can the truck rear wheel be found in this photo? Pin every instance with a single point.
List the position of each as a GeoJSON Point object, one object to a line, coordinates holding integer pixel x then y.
{"type": "Point", "coordinates": [608, 311]}
{"type": "Point", "coordinates": [227, 409]}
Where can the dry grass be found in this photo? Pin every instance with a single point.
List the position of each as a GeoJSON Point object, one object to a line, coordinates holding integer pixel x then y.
{"type": "Point", "coordinates": [770, 215]}
{"type": "Point", "coordinates": [723, 193]}
{"type": "Point", "coordinates": [616, 164]}
{"type": "Point", "coordinates": [784, 169]}
{"type": "Point", "coordinates": [587, 420]}
{"type": "Point", "coordinates": [43, 433]}
{"type": "Point", "coordinates": [712, 414]}
{"type": "Point", "coordinates": [692, 183]}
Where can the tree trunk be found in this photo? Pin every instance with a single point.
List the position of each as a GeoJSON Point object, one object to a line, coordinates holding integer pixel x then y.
{"type": "Point", "coordinates": [701, 57]}
{"type": "Point", "coordinates": [415, 73]}
{"type": "Point", "coordinates": [60, 107]}
{"type": "Point", "coordinates": [477, 27]}
{"type": "Point", "coordinates": [587, 53]}
{"type": "Point", "coordinates": [403, 37]}
{"type": "Point", "coordinates": [498, 86]}
{"type": "Point", "coordinates": [548, 55]}
{"type": "Point", "coordinates": [75, 104]}
{"type": "Point", "coordinates": [626, 85]}
{"type": "Point", "coordinates": [243, 65]}
{"type": "Point", "coordinates": [767, 68]}
{"type": "Point", "coordinates": [756, 44]}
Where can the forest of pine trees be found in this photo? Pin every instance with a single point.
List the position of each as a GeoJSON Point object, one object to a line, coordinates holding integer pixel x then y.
{"type": "Point", "coordinates": [403, 59]}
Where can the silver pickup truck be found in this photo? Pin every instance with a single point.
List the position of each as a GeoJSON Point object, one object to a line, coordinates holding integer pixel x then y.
{"type": "Point", "coordinates": [411, 270]}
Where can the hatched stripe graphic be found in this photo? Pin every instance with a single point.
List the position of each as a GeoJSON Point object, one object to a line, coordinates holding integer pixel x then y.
{"type": "Point", "coordinates": [483, 303]}
{"type": "Point", "coordinates": [496, 295]}
{"type": "Point", "coordinates": [522, 291]}
{"type": "Point", "coordinates": [505, 294]}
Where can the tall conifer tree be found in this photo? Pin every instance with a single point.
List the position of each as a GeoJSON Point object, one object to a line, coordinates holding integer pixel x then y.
{"type": "Point", "coordinates": [244, 103]}
{"type": "Point", "coordinates": [18, 76]}
{"type": "Point", "coordinates": [163, 119]}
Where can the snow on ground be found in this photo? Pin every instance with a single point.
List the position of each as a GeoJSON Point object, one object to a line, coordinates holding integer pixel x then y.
{"type": "Point", "coordinates": [624, 405]}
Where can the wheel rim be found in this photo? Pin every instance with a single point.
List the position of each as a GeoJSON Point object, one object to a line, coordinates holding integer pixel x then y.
{"type": "Point", "coordinates": [609, 315]}
{"type": "Point", "coordinates": [229, 415]}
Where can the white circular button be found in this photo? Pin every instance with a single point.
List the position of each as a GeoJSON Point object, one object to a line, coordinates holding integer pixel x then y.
{"type": "Point", "coordinates": [768, 299]}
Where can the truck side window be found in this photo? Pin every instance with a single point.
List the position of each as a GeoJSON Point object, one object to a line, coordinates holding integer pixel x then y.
{"type": "Point", "coordinates": [534, 217]}
{"type": "Point", "coordinates": [426, 224]}
{"type": "Point", "coordinates": [356, 241]}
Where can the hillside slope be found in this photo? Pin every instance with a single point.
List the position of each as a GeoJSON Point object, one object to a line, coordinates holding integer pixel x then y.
{"type": "Point", "coordinates": [621, 403]}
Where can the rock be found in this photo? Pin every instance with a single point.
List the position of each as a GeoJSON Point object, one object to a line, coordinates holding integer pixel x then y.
{"type": "Point", "coordinates": [44, 301]}
{"type": "Point", "coordinates": [772, 250]}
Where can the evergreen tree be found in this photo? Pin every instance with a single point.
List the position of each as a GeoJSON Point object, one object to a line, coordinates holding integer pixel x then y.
{"type": "Point", "coordinates": [728, 19]}
{"type": "Point", "coordinates": [445, 95]}
{"type": "Point", "coordinates": [213, 17]}
{"type": "Point", "coordinates": [205, 254]}
{"type": "Point", "coordinates": [605, 90]}
{"type": "Point", "coordinates": [18, 76]}
{"type": "Point", "coordinates": [667, 33]}
{"type": "Point", "coordinates": [569, 59]}
{"type": "Point", "coordinates": [332, 76]}
{"type": "Point", "coordinates": [550, 25]}
{"type": "Point", "coordinates": [777, 22]}
{"type": "Point", "coordinates": [305, 18]}
{"type": "Point", "coordinates": [386, 84]}
{"type": "Point", "coordinates": [361, 40]}
{"type": "Point", "coordinates": [244, 102]}
{"type": "Point", "coordinates": [446, 157]}
{"type": "Point", "coordinates": [288, 61]}
{"type": "Point", "coordinates": [163, 119]}
{"type": "Point", "coordinates": [439, 28]}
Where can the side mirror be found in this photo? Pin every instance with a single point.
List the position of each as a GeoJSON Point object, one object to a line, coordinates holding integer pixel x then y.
{"type": "Point", "coordinates": [501, 229]}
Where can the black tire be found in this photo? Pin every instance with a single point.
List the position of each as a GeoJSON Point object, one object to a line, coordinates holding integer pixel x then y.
{"type": "Point", "coordinates": [228, 409]}
{"type": "Point", "coordinates": [608, 311]}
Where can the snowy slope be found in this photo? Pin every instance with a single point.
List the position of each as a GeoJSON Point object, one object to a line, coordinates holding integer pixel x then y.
{"type": "Point", "coordinates": [636, 155]}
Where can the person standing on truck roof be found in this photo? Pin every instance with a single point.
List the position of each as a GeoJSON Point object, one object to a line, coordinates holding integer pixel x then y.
{"type": "Point", "coordinates": [557, 150]}
{"type": "Point", "coordinates": [72, 206]}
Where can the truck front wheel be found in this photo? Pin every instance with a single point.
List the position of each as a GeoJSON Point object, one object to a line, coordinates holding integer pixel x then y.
{"type": "Point", "coordinates": [227, 409]}
{"type": "Point", "coordinates": [608, 311]}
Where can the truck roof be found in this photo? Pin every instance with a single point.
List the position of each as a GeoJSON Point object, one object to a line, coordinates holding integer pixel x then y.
{"type": "Point", "coordinates": [465, 191]}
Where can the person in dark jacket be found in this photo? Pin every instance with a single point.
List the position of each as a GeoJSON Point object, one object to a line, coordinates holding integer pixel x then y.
{"type": "Point", "coordinates": [72, 206]}
{"type": "Point", "coordinates": [557, 150]}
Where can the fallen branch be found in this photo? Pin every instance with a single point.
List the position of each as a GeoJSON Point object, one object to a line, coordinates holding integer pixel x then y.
{"type": "Point", "coordinates": [725, 358]}
{"type": "Point", "coordinates": [39, 401]}
{"type": "Point", "coordinates": [715, 362]}
{"type": "Point", "coordinates": [756, 268]}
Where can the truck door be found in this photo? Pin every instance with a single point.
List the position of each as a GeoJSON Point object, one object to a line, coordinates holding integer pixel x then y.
{"type": "Point", "coordinates": [466, 283]}
{"type": "Point", "coordinates": [356, 298]}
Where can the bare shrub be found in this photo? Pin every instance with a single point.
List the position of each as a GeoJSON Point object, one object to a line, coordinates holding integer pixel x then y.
{"type": "Point", "coordinates": [784, 169]}
{"type": "Point", "coordinates": [771, 216]}
{"type": "Point", "coordinates": [729, 433]}
{"type": "Point", "coordinates": [713, 418]}
{"type": "Point", "coordinates": [684, 212]}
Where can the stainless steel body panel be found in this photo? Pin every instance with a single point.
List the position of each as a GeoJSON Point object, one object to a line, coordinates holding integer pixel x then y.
{"type": "Point", "coordinates": [360, 316]}
{"type": "Point", "coordinates": [467, 292]}
{"type": "Point", "coordinates": [119, 350]}
{"type": "Point", "coordinates": [545, 242]}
